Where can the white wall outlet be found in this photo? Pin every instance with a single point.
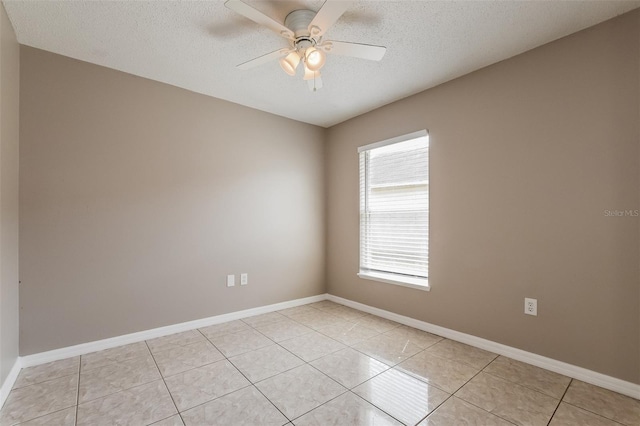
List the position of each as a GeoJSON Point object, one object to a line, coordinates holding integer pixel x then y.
{"type": "Point", "coordinates": [531, 306]}
{"type": "Point", "coordinates": [231, 280]}
{"type": "Point", "coordinates": [244, 279]}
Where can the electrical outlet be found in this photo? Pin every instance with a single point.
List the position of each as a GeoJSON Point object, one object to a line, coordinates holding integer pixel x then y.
{"type": "Point", "coordinates": [231, 280]}
{"type": "Point", "coordinates": [531, 306]}
{"type": "Point", "coordinates": [244, 279]}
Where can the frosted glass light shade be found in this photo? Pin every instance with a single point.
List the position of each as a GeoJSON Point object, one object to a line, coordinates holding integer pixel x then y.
{"type": "Point", "coordinates": [309, 74]}
{"type": "Point", "coordinates": [290, 62]}
{"type": "Point", "coordinates": [314, 58]}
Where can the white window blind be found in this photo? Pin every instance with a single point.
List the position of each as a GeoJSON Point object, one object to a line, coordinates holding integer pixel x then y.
{"type": "Point", "coordinates": [394, 208]}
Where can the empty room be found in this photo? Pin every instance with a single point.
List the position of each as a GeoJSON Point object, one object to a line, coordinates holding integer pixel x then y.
{"type": "Point", "coordinates": [310, 212]}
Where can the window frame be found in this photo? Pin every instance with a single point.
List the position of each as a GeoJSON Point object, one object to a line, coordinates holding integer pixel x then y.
{"type": "Point", "coordinates": [390, 277]}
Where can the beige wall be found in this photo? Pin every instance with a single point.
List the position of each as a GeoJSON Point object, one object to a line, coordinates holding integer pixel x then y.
{"type": "Point", "coordinates": [525, 157]}
{"type": "Point", "coordinates": [9, 125]}
{"type": "Point", "coordinates": [137, 198]}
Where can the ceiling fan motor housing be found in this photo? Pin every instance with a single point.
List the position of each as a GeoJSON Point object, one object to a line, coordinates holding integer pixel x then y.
{"type": "Point", "coordinates": [298, 21]}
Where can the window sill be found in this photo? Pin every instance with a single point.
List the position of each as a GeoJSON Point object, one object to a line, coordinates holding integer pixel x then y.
{"type": "Point", "coordinates": [417, 283]}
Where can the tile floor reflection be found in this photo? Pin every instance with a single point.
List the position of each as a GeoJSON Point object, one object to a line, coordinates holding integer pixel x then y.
{"type": "Point", "coordinates": [317, 364]}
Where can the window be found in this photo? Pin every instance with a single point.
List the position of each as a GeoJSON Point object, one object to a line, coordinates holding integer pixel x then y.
{"type": "Point", "coordinates": [394, 210]}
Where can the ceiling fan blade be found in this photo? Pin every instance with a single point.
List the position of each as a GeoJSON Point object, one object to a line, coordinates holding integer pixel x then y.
{"type": "Point", "coordinates": [356, 50]}
{"type": "Point", "coordinates": [315, 84]}
{"type": "Point", "coordinates": [259, 17]}
{"type": "Point", "coordinates": [264, 59]}
{"type": "Point", "coordinates": [328, 14]}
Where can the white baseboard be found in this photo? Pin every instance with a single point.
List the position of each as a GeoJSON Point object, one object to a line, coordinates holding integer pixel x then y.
{"type": "Point", "coordinates": [9, 381]}
{"type": "Point", "coordinates": [98, 345]}
{"type": "Point", "coordinates": [588, 376]}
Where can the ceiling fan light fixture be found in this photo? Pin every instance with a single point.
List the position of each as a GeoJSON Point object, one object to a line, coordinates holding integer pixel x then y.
{"type": "Point", "coordinates": [290, 62]}
{"type": "Point", "coordinates": [314, 58]}
{"type": "Point", "coordinates": [305, 29]}
{"type": "Point", "coordinates": [310, 74]}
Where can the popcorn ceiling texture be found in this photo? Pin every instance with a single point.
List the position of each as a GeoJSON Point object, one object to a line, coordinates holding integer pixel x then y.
{"type": "Point", "coordinates": [196, 45]}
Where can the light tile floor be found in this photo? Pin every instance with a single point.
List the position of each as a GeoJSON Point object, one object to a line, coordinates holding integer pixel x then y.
{"type": "Point", "coordinates": [318, 364]}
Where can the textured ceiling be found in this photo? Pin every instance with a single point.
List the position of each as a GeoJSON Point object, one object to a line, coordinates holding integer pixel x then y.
{"type": "Point", "coordinates": [196, 45]}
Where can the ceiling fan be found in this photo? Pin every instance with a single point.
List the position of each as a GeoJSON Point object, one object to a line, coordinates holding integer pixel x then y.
{"type": "Point", "coordinates": [304, 29]}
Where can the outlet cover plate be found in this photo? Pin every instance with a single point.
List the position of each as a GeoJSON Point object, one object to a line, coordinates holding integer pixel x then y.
{"type": "Point", "coordinates": [231, 280]}
{"type": "Point", "coordinates": [531, 306]}
{"type": "Point", "coordinates": [244, 279]}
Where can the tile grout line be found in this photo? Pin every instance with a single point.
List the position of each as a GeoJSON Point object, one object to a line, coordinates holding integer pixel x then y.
{"type": "Point", "coordinates": [586, 409]}
{"type": "Point", "coordinates": [379, 360]}
{"type": "Point", "coordinates": [354, 324]}
{"type": "Point", "coordinates": [164, 381]}
{"type": "Point", "coordinates": [50, 380]}
{"type": "Point", "coordinates": [57, 410]}
{"type": "Point", "coordinates": [452, 394]}
{"type": "Point", "coordinates": [351, 389]}
{"type": "Point", "coordinates": [430, 413]}
{"type": "Point", "coordinates": [251, 384]}
{"type": "Point", "coordinates": [254, 384]}
{"type": "Point", "coordinates": [44, 381]}
{"type": "Point", "coordinates": [78, 393]}
{"type": "Point", "coordinates": [267, 378]}
{"type": "Point", "coordinates": [482, 371]}
{"type": "Point", "coordinates": [559, 402]}
{"type": "Point", "coordinates": [114, 361]}
{"type": "Point", "coordinates": [357, 341]}
{"type": "Point", "coordinates": [215, 399]}
{"type": "Point", "coordinates": [474, 376]}
{"type": "Point", "coordinates": [304, 361]}
{"type": "Point", "coordinates": [309, 364]}
{"type": "Point", "coordinates": [298, 357]}
{"type": "Point", "coordinates": [324, 374]}
{"type": "Point", "coordinates": [375, 406]}
{"type": "Point", "coordinates": [315, 359]}
{"type": "Point", "coordinates": [121, 390]}
{"type": "Point", "coordinates": [594, 413]}
{"type": "Point", "coordinates": [189, 369]}
{"type": "Point", "coordinates": [246, 378]}
{"type": "Point", "coordinates": [429, 384]}
{"type": "Point", "coordinates": [523, 385]}
{"type": "Point", "coordinates": [41, 416]}
{"type": "Point", "coordinates": [348, 390]}
{"type": "Point", "coordinates": [324, 403]}
{"type": "Point", "coordinates": [222, 353]}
